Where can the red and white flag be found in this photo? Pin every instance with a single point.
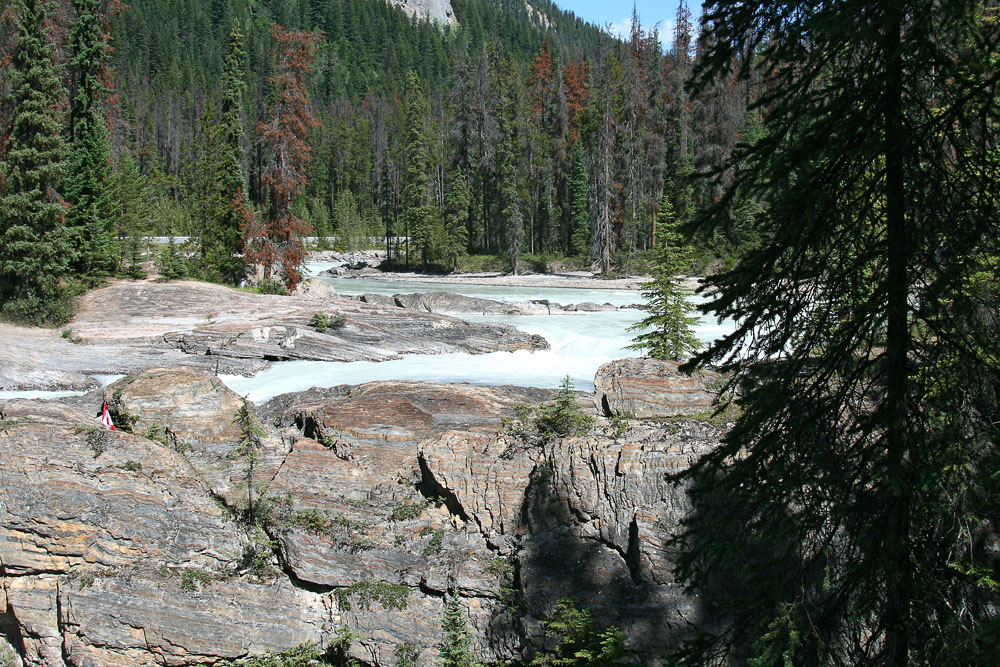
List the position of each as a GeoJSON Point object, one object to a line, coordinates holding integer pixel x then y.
{"type": "Point", "coordinates": [106, 418]}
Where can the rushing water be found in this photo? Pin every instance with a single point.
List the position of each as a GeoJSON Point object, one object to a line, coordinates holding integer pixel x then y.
{"type": "Point", "coordinates": [580, 343]}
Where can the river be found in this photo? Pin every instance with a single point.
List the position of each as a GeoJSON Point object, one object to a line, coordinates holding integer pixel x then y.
{"type": "Point", "coordinates": [580, 343]}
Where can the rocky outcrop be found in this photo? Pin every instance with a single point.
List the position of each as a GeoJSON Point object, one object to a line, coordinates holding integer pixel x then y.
{"type": "Point", "coordinates": [647, 387]}
{"type": "Point", "coordinates": [451, 303]}
{"type": "Point", "coordinates": [118, 549]}
{"type": "Point", "coordinates": [130, 326]}
{"type": "Point", "coordinates": [439, 11]}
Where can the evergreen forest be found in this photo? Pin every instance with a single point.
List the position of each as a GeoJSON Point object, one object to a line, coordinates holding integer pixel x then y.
{"type": "Point", "coordinates": [523, 131]}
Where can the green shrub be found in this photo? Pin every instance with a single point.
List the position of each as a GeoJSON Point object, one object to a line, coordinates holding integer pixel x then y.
{"type": "Point", "coordinates": [364, 593]}
{"type": "Point", "coordinates": [258, 555]}
{"type": "Point", "coordinates": [407, 510]}
{"type": "Point", "coordinates": [435, 544]}
{"type": "Point", "coordinates": [270, 286]}
{"type": "Point", "coordinates": [193, 579]}
{"type": "Point", "coordinates": [407, 654]}
{"type": "Point", "coordinates": [559, 418]}
{"type": "Point", "coordinates": [320, 322]}
{"type": "Point", "coordinates": [132, 466]}
{"type": "Point", "coordinates": [312, 519]}
{"type": "Point", "coordinates": [98, 439]}
{"type": "Point", "coordinates": [580, 643]}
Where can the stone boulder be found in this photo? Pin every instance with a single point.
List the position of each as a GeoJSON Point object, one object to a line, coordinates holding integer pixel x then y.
{"type": "Point", "coordinates": [590, 307]}
{"type": "Point", "coordinates": [192, 411]}
{"type": "Point", "coordinates": [190, 403]}
{"type": "Point", "coordinates": [314, 288]}
{"type": "Point", "coordinates": [647, 387]}
{"type": "Point", "coordinates": [449, 303]}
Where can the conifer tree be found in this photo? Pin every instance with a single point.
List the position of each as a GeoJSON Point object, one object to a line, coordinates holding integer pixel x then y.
{"type": "Point", "coordinates": [278, 246]}
{"type": "Point", "coordinates": [667, 330]}
{"type": "Point", "coordinates": [579, 240]}
{"type": "Point", "coordinates": [508, 160]}
{"type": "Point", "coordinates": [456, 647]}
{"type": "Point", "coordinates": [845, 517]}
{"type": "Point", "coordinates": [419, 214]}
{"type": "Point", "coordinates": [93, 213]}
{"type": "Point", "coordinates": [225, 240]}
{"type": "Point", "coordinates": [33, 240]}
{"type": "Point", "coordinates": [133, 200]}
{"type": "Point", "coordinates": [456, 215]}
{"type": "Point", "coordinates": [248, 451]}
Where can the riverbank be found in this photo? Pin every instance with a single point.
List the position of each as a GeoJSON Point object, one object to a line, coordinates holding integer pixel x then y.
{"type": "Point", "coordinates": [364, 264]}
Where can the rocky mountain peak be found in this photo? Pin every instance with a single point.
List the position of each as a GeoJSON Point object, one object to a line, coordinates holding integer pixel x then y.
{"type": "Point", "coordinates": [439, 11]}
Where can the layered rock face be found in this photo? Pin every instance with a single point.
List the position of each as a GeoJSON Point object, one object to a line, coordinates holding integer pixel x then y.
{"type": "Point", "coordinates": [118, 549]}
{"type": "Point", "coordinates": [647, 387]}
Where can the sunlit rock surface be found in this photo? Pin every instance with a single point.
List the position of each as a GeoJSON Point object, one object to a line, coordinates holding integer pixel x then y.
{"type": "Point", "coordinates": [133, 325]}
{"type": "Point", "coordinates": [647, 387]}
{"type": "Point", "coordinates": [118, 549]}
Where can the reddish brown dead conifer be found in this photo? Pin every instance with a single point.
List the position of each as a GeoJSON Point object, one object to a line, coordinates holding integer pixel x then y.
{"type": "Point", "coordinates": [540, 88]}
{"type": "Point", "coordinates": [285, 134]}
{"type": "Point", "coordinates": [575, 80]}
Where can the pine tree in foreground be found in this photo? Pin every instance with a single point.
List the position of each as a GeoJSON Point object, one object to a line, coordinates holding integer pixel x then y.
{"type": "Point", "coordinates": [33, 242]}
{"type": "Point", "coordinates": [667, 329]}
{"type": "Point", "coordinates": [850, 515]}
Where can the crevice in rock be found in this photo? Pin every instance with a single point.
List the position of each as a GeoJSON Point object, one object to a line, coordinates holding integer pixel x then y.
{"type": "Point", "coordinates": [10, 629]}
{"type": "Point", "coordinates": [308, 426]}
{"type": "Point", "coordinates": [632, 554]}
{"type": "Point", "coordinates": [428, 591]}
{"type": "Point", "coordinates": [61, 626]}
{"type": "Point", "coordinates": [430, 488]}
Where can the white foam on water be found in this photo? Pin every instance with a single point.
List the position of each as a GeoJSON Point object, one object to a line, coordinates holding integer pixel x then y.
{"type": "Point", "coordinates": [6, 394]}
{"type": "Point", "coordinates": [580, 344]}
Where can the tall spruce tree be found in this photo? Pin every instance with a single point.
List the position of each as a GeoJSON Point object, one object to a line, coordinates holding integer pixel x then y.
{"type": "Point", "coordinates": [848, 516]}
{"type": "Point", "coordinates": [90, 192]}
{"type": "Point", "coordinates": [456, 216]}
{"type": "Point", "coordinates": [419, 213]}
{"type": "Point", "coordinates": [456, 647]}
{"type": "Point", "coordinates": [33, 240]}
{"type": "Point", "coordinates": [225, 239]}
{"type": "Point", "coordinates": [579, 228]}
{"type": "Point", "coordinates": [667, 332]}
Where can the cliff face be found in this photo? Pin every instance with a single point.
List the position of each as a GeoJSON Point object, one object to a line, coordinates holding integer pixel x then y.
{"type": "Point", "coordinates": [439, 11]}
{"type": "Point", "coordinates": [125, 549]}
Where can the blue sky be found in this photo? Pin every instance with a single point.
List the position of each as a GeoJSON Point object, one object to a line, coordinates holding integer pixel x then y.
{"type": "Point", "coordinates": [618, 13]}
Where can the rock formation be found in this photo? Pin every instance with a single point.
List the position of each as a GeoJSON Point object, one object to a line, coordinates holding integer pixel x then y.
{"type": "Point", "coordinates": [124, 548]}
{"type": "Point", "coordinates": [647, 387]}
{"type": "Point", "coordinates": [451, 303]}
{"type": "Point", "coordinates": [130, 326]}
{"type": "Point", "coordinates": [439, 11]}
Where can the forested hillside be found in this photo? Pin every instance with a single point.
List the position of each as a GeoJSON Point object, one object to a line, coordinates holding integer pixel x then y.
{"type": "Point", "coordinates": [523, 130]}
{"type": "Point", "coordinates": [506, 99]}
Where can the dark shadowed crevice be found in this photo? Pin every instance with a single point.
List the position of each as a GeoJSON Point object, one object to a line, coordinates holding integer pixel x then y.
{"type": "Point", "coordinates": [430, 488]}
{"type": "Point", "coordinates": [10, 629]}
{"type": "Point", "coordinates": [632, 559]}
